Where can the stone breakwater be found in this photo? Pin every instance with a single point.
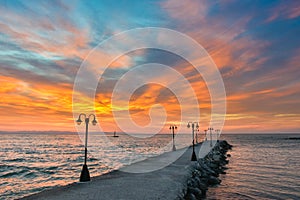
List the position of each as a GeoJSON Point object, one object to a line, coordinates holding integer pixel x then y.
{"type": "Point", "coordinates": [205, 172]}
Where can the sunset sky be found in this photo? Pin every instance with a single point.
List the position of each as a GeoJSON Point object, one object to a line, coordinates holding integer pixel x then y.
{"type": "Point", "coordinates": [255, 45]}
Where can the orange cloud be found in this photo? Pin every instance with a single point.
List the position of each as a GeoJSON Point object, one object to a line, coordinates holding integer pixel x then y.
{"type": "Point", "coordinates": [48, 107]}
{"type": "Point", "coordinates": [236, 54]}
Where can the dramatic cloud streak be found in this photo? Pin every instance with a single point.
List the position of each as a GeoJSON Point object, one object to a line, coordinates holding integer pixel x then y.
{"type": "Point", "coordinates": [254, 44]}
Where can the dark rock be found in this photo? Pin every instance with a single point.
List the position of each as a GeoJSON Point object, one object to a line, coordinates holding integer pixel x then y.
{"type": "Point", "coordinates": [190, 196]}
{"type": "Point", "coordinates": [205, 172]}
{"type": "Point", "coordinates": [207, 169]}
{"type": "Point", "coordinates": [203, 193]}
{"type": "Point", "coordinates": [203, 186]}
{"type": "Point", "coordinates": [196, 173]}
{"type": "Point", "coordinates": [213, 166]}
{"type": "Point", "coordinates": [224, 168]}
{"type": "Point", "coordinates": [194, 183]}
{"type": "Point", "coordinates": [204, 180]}
{"type": "Point", "coordinates": [196, 192]}
{"type": "Point", "coordinates": [197, 179]}
{"type": "Point", "coordinates": [213, 180]}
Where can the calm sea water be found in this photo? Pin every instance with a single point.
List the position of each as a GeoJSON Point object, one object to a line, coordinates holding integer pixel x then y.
{"type": "Point", "coordinates": [261, 166]}
{"type": "Point", "coordinates": [32, 162]}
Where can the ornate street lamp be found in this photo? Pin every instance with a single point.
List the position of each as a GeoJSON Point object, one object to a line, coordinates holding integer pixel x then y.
{"type": "Point", "coordinates": [85, 175]}
{"type": "Point", "coordinates": [205, 132]}
{"type": "Point", "coordinates": [210, 130]}
{"type": "Point", "coordinates": [194, 125]}
{"type": "Point", "coordinates": [173, 128]}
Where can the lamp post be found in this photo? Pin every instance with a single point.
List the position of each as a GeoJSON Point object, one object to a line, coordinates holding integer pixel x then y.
{"type": "Point", "coordinates": [85, 175]}
{"type": "Point", "coordinates": [210, 130]}
{"type": "Point", "coordinates": [197, 135]}
{"type": "Point", "coordinates": [205, 132]}
{"type": "Point", "coordinates": [194, 125]}
{"type": "Point", "coordinates": [218, 136]}
{"type": "Point", "coordinates": [173, 128]}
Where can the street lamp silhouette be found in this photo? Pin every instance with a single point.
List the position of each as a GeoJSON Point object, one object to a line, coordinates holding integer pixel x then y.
{"type": "Point", "coordinates": [194, 125]}
{"type": "Point", "coordinates": [205, 132]}
{"type": "Point", "coordinates": [210, 130]}
{"type": "Point", "coordinates": [197, 135]}
{"type": "Point", "coordinates": [85, 175]}
{"type": "Point", "coordinates": [218, 135]}
{"type": "Point", "coordinates": [173, 128]}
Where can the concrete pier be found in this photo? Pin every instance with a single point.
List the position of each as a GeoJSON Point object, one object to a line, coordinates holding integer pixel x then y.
{"type": "Point", "coordinates": [167, 183]}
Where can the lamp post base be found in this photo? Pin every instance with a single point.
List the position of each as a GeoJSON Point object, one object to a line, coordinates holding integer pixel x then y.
{"type": "Point", "coordinates": [194, 157]}
{"type": "Point", "coordinates": [174, 148]}
{"type": "Point", "coordinates": [85, 174]}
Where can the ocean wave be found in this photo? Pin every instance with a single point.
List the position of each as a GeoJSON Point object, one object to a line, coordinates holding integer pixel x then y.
{"type": "Point", "coordinates": [13, 173]}
{"type": "Point", "coordinates": [15, 160]}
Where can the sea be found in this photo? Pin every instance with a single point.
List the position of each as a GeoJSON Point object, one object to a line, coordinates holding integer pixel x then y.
{"type": "Point", "coordinates": [261, 166]}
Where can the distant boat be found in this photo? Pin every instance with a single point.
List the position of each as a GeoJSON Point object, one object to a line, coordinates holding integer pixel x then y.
{"type": "Point", "coordinates": [115, 134]}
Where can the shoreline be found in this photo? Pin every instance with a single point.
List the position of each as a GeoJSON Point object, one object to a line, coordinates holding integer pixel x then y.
{"type": "Point", "coordinates": [169, 182]}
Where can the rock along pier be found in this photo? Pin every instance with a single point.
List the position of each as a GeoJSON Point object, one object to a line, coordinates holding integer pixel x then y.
{"type": "Point", "coordinates": [205, 172]}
